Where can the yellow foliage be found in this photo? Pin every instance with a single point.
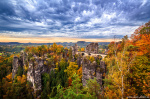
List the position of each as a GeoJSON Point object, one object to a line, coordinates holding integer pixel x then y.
{"type": "Point", "coordinates": [71, 69]}
{"type": "Point", "coordinates": [56, 67]}
{"type": "Point", "coordinates": [25, 68]}
{"type": "Point", "coordinates": [92, 58]}
{"type": "Point", "coordinates": [66, 48]}
{"type": "Point", "coordinates": [21, 79]}
{"type": "Point", "coordinates": [7, 82]}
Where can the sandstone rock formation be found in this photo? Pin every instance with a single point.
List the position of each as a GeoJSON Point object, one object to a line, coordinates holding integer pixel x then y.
{"type": "Point", "coordinates": [92, 48]}
{"type": "Point", "coordinates": [91, 70]}
{"type": "Point", "coordinates": [37, 66]}
{"type": "Point", "coordinates": [15, 66]}
{"type": "Point", "coordinates": [74, 49]}
{"type": "Point", "coordinates": [17, 62]}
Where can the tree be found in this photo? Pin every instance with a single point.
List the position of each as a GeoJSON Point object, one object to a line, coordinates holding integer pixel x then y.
{"type": "Point", "coordinates": [93, 88]}
{"type": "Point", "coordinates": [119, 66]}
{"type": "Point", "coordinates": [82, 49]}
{"type": "Point", "coordinates": [71, 69]}
{"type": "Point", "coordinates": [72, 92]}
{"type": "Point", "coordinates": [20, 71]}
{"type": "Point", "coordinates": [70, 53]}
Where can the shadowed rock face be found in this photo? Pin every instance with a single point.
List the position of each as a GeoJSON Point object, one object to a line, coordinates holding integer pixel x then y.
{"type": "Point", "coordinates": [35, 70]}
{"type": "Point", "coordinates": [17, 62]}
{"type": "Point", "coordinates": [92, 48]}
{"type": "Point", "coordinates": [15, 66]}
{"type": "Point", "coordinates": [91, 70]}
{"type": "Point", "coordinates": [79, 60]}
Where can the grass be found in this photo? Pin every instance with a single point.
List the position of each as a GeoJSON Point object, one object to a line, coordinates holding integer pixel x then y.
{"type": "Point", "coordinates": [1, 53]}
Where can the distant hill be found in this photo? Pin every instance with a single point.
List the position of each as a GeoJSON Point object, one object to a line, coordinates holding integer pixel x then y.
{"type": "Point", "coordinates": [79, 43]}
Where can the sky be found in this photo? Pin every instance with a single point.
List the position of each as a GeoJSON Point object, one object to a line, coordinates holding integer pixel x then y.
{"type": "Point", "coordinates": [70, 20]}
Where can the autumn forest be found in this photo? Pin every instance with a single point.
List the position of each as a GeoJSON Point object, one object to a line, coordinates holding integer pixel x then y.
{"type": "Point", "coordinates": [58, 72]}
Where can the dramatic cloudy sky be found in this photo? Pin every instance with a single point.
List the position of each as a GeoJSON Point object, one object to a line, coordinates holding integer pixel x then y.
{"type": "Point", "coordinates": [72, 18]}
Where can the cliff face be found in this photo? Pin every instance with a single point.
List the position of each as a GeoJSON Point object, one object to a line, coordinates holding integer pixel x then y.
{"type": "Point", "coordinates": [15, 66]}
{"type": "Point", "coordinates": [36, 67]}
{"type": "Point", "coordinates": [35, 70]}
{"type": "Point", "coordinates": [17, 62]}
{"type": "Point", "coordinates": [91, 70]}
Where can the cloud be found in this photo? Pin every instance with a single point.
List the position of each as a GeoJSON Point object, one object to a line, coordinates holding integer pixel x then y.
{"type": "Point", "coordinates": [72, 18]}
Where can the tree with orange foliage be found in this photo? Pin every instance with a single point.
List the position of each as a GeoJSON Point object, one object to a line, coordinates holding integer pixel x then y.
{"type": "Point", "coordinates": [128, 63]}
{"type": "Point", "coordinates": [79, 72]}
{"type": "Point", "coordinates": [82, 49]}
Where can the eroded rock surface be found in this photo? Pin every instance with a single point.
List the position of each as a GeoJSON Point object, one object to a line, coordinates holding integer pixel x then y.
{"type": "Point", "coordinates": [15, 66]}
{"type": "Point", "coordinates": [91, 70]}
{"type": "Point", "coordinates": [92, 48]}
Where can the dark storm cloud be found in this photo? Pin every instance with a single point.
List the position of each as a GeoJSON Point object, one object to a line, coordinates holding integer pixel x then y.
{"type": "Point", "coordinates": [72, 18]}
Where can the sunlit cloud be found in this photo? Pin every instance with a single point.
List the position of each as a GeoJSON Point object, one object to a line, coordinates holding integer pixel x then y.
{"type": "Point", "coordinates": [92, 19]}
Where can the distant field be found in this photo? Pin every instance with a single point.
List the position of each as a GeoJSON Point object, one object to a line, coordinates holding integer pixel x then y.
{"type": "Point", "coordinates": [19, 46]}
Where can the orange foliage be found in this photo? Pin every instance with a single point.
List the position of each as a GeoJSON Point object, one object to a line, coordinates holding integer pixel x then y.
{"type": "Point", "coordinates": [69, 81]}
{"type": "Point", "coordinates": [144, 44]}
{"type": "Point", "coordinates": [82, 49]}
{"type": "Point", "coordinates": [79, 72]}
{"type": "Point", "coordinates": [21, 79]}
{"type": "Point", "coordinates": [9, 77]}
{"type": "Point", "coordinates": [1, 59]}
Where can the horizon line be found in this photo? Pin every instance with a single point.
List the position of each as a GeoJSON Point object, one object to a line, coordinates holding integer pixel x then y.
{"type": "Point", "coordinates": [53, 39]}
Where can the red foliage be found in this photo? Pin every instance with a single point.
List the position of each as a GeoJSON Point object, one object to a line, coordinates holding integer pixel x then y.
{"type": "Point", "coordinates": [69, 81]}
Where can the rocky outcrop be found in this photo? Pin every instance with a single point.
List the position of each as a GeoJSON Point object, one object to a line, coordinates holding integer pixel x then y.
{"type": "Point", "coordinates": [15, 66]}
{"type": "Point", "coordinates": [35, 70]}
{"type": "Point", "coordinates": [74, 49]}
{"type": "Point", "coordinates": [91, 70]}
{"type": "Point", "coordinates": [17, 62]}
{"type": "Point", "coordinates": [79, 60]}
{"type": "Point", "coordinates": [100, 70]}
{"type": "Point", "coordinates": [92, 48]}
{"type": "Point", "coordinates": [36, 66]}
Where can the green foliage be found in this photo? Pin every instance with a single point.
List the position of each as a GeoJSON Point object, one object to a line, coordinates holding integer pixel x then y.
{"type": "Point", "coordinates": [76, 91]}
{"type": "Point", "coordinates": [70, 53]}
{"type": "Point", "coordinates": [16, 90]}
{"type": "Point", "coordinates": [72, 92]}
{"type": "Point", "coordinates": [91, 58]}
{"type": "Point", "coordinates": [93, 88]}
{"type": "Point", "coordinates": [14, 48]}
{"type": "Point", "coordinates": [51, 81]}
{"type": "Point", "coordinates": [20, 71]}
{"type": "Point", "coordinates": [140, 74]}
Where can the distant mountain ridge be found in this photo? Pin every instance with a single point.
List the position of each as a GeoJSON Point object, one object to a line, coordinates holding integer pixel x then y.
{"type": "Point", "coordinates": [80, 43]}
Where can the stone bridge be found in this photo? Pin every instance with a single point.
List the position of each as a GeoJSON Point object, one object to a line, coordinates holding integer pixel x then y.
{"type": "Point", "coordinates": [92, 54]}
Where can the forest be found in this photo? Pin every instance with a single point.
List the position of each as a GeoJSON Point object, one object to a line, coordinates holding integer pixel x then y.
{"type": "Point", "coordinates": [127, 71]}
